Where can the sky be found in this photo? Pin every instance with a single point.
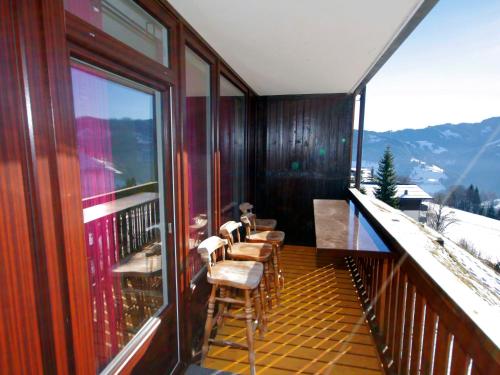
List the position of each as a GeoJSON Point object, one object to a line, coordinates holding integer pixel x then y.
{"type": "Point", "coordinates": [100, 97]}
{"type": "Point", "coordinates": [447, 71]}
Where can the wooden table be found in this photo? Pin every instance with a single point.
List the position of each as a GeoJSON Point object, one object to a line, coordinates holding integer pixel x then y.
{"type": "Point", "coordinates": [342, 230]}
{"type": "Point", "coordinates": [143, 263]}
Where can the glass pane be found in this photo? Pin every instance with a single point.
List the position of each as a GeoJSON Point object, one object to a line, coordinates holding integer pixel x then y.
{"type": "Point", "coordinates": [197, 137]}
{"type": "Point", "coordinates": [119, 135]}
{"type": "Point", "coordinates": [231, 143]}
{"type": "Point", "coordinates": [127, 22]}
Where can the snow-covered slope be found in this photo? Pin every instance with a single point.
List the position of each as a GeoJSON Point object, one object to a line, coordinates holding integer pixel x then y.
{"type": "Point", "coordinates": [480, 231]}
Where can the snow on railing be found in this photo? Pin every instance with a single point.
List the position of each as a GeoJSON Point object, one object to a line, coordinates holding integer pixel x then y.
{"type": "Point", "coordinates": [428, 315]}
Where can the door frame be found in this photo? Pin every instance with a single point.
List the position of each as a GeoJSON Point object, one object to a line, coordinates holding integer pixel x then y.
{"type": "Point", "coordinates": [86, 43]}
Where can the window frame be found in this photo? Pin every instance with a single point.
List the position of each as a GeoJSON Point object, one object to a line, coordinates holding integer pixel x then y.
{"type": "Point", "coordinates": [94, 47]}
{"type": "Point", "coordinates": [190, 40]}
{"type": "Point", "coordinates": [227, 74]}
{"type": "Point", "coordinates": [248, 145]}
{"type": "Point", "coordinates": [211, 201]}
{"type": "Point", "coordinates": [91, 44]}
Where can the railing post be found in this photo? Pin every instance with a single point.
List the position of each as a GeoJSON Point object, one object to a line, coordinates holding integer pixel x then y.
{"type": "Point", "coordinates": [361, 126]}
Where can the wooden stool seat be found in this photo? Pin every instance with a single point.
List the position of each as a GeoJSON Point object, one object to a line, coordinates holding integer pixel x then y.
{"type": "Point", "coordinates": [259, 252]}
{"type": "Point", "coordinates": [261, 224]}
{"type": "Point", "coordinates": [273, 237]}
{"type": "Point", "coordinates": [224, 276]}
{"type": "Point", "coordinates": [236, 274]}
{"type": "Point", "coordinates": [269, 236]}
{"type": "Point", "coordinates": [265, 224]}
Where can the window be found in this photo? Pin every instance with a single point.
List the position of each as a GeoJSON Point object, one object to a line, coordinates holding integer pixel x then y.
{"type": "Point", "coordinates": [127, 22]}
{"type": "Point", "coordinates": [232, 148]}
{"type": "Point", "coordinates": [119, 140]}
{"type": "Point", "coordinates": [198, 140]}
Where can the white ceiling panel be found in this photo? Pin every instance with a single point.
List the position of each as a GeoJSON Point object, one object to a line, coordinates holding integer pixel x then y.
{"type": "Point", "coordinates": [299, 46]}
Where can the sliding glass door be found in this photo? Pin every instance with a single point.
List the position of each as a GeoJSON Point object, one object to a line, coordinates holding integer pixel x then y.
{"type": "Point", "coordinates": [123, 80]}
{"type": "Point", "coordinates": [198, 139]}
{"type": "Point", "coordinates": [232, 149]}
{"type": "Point", "coordinates": [120, 127]}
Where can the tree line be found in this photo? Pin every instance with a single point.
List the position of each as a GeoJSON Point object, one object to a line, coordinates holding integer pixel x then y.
{"type": "Point", "coordinates": [468, 199]}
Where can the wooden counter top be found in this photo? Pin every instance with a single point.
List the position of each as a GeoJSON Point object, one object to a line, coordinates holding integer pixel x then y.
{"type": "Point", "coordinates": [342, 230]}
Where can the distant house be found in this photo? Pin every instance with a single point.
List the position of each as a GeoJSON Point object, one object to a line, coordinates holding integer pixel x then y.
{"type": "Point", "coordinates": [410, 197]}
{"type": "Point", "coordinates": [366, 175]}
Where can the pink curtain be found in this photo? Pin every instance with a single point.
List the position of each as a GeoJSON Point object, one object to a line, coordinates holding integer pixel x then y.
{"type": "Point", "coordinates": [98, 184]}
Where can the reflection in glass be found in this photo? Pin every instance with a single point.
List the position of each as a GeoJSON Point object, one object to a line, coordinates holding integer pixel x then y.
{"type": "Point", "coordinates": [197, 137]}
{"type": "Point", "coordinates": [118, 142]}
{"type": "Point", "coordinates": [127, 22]}
{"type": "Point", "coordinates": [231, 143]}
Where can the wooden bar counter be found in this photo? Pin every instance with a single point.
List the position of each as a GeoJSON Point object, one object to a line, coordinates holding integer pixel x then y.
{"type": "Point", "coordinates": [342, 230]}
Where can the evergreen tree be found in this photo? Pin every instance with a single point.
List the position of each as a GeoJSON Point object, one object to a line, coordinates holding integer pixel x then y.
{"type": "Point", "coordinates": [386, 179]}
{"type": "Point", "coordinates": [490, 210]}
{"type": "Point", "coordinates": [469, 199]}
{"type": "Point", "coordinates": [476, 201]}
{"type": "Point", "coordinates": [454, 196]}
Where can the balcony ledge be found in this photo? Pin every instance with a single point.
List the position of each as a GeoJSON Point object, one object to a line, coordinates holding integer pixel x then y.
{"type": "Point", "coordinates": [478, 300]}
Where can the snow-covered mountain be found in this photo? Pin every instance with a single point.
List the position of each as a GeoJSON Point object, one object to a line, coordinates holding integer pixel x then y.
{"type": "Point", "coordinates": [442, 155]}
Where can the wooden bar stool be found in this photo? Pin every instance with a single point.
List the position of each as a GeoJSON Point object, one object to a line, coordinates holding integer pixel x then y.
{"type": "Point", "coordinates": [241, 275]}
{"type": "Point", "coordinates": [258, 252]}
{"type": "Point", "coordinates": [260, 224]}
{"type": "Point", "coordinates": [273, 237]}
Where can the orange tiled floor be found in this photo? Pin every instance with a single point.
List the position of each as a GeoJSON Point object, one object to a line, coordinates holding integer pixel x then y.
{"type": "Point", "coordinates": [318, 329]}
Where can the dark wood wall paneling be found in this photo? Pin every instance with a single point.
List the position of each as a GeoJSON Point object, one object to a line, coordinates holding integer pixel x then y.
{"type": "Point", "coordinates": [302, 152]}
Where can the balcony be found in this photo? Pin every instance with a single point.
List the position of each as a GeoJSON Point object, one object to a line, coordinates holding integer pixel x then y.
{"type": "Point", "coordinates": [131, 130]}
{"type": "Point", "coordinates": [413, 312]}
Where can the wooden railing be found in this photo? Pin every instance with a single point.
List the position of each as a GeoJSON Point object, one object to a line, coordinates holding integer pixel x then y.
{"type": "Point", "coordinates": [418, 327]}
{"type": "Point", "coordinates": [126, 223]}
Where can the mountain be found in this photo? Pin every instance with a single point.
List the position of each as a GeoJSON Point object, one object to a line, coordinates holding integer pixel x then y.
{"type": "Point", "coordinates": [127, 148]}
{"type": "Point", "coordinates": [442, 155]}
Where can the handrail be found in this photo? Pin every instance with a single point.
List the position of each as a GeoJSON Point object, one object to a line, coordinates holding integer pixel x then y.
{"type": "Point", "coordinates": [125, 224]}
{"type": "Point", "coordinates": [114, 206]}
{"type": "Point", "coordinates": [424, 318]}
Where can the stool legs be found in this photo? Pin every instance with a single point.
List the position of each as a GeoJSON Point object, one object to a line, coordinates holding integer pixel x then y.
{"type": "Point", "coordinates": [209, 322]}
{"type": "Point", "coordinates": [249, 324]}
{"type": "Point", "coordinates": [222, 307]}
{"type": "Point", "coordinates": [263, 327]}
{"type": "Point", "coordinates": [276, 274]}
{"type": "Point", "coordinates": [282, 277]}
{"type": "Point", "coordinates": [257, 310]}
{"type": "Point", "coordinates": [267, 278]}
{"type": "Point", "coordinates": [254, 308]}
